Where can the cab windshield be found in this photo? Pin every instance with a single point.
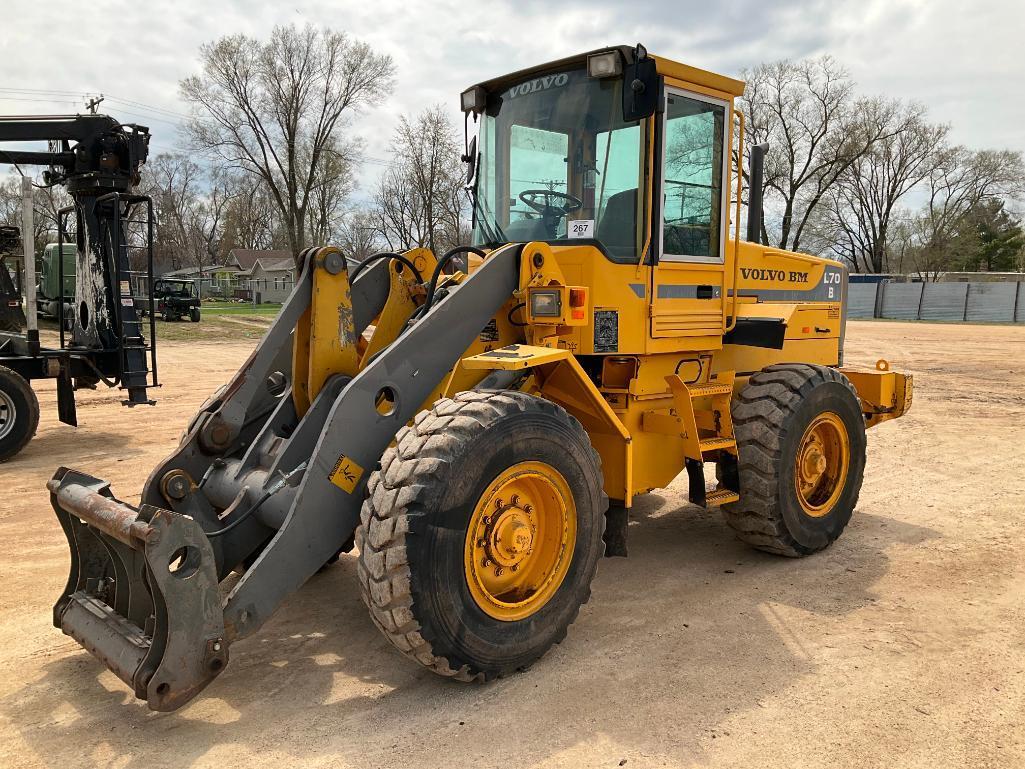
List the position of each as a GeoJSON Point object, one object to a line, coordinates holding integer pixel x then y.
{"type": "Point", "coordinates": [558, 162]}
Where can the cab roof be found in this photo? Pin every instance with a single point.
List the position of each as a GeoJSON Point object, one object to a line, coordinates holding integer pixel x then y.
{"type": "Point", "coordinates": [666, 67]}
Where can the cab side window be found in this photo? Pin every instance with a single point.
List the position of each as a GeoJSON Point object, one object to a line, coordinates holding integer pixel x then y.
{"type": "Point", "coordinates": [692, 191]}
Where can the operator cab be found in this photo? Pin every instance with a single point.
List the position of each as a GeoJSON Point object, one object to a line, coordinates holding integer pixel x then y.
{"type": "Point", "coordinates": [563, 153]}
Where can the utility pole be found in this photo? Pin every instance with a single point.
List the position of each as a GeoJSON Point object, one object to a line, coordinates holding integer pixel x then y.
{"type": "Point", "coordinates": [93, 103]}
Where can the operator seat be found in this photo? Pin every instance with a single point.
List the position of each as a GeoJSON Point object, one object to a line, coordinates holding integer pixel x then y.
{"type": "Point", "coordinates": [617, 229]}
{"type": "Point", "coordinates": [526, 230]}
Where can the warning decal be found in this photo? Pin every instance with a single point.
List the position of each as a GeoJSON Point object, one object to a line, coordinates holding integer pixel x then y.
{"type": "Point", "coordinates": [346, 474]}
{"type": "Point", "coordinates": [490, 332]}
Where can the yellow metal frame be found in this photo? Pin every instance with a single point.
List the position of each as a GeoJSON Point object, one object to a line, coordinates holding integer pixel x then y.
{"type": "Point", "coordinates": [325, 337]}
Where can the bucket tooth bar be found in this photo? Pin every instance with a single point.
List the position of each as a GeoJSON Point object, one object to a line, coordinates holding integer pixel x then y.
{"type": "Point", "coordinates": [143, 595]}
{"type": "Point", "coordinates": [129, 568]}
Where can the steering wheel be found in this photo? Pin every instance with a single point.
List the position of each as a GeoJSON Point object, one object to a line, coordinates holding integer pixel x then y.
{"type": "Point", "coordinates": [569, 203]}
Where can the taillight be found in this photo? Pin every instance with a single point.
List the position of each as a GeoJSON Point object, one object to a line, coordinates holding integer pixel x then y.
{"type": "Point", "coordinates": [578, 302]}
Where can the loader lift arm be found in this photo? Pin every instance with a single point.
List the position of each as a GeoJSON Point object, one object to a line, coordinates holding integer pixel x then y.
{"type": "Point", "coordinates": [125, 601]}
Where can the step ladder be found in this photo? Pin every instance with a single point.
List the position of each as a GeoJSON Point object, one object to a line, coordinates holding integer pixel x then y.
{"type": "Point", "coordinates": [706, 428]}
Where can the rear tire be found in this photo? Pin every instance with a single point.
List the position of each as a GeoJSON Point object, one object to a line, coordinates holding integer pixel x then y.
{"type": "Point", "coordinates": [777, 418]}
{"type": "Point", "coordinates": [19, 413]}
{"type": "Point", "coordinates": [420, 524]}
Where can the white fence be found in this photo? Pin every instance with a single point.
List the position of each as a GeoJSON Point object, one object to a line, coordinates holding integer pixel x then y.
{"type": "Point", "coordinates": [995, 302]}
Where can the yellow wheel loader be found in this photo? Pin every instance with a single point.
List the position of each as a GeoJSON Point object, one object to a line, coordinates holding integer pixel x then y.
{"type": "Point", "coordinates": [478, 424]}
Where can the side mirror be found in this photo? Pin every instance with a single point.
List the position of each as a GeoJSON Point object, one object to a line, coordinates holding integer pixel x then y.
{"type": "Point", "coordinates": [470, 158]}
{"type": "Point", "coordinates": [754, 193]}
{"type": "Point", "coordinates": [640, 87]}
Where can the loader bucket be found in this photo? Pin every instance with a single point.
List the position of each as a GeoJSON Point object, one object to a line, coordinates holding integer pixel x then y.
{"type": "Point", "coordinates": [142, 593]}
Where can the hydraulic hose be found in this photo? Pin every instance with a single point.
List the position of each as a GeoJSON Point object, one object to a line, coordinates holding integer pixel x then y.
{"type": "Point", "coordinates": [291, 479]}
{"type": "Point", "coordinates": [449, 255]}
{"type": "Point", "coordinates": [385, 255]}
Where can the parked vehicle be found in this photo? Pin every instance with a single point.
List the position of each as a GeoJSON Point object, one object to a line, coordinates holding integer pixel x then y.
{"type": "Point", "coordinates": [177, 298]}
{"type": "Point", "coordinates": [48, 291]}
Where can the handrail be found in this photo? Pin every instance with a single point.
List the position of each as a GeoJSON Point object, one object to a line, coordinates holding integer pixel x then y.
{"type": "Point", "coordinates": [728, 327]}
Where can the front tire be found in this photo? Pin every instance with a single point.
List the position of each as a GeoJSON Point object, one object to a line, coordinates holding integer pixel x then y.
{"type": "Point", "coordinates": [194, 315]}
{"type": "Point", "coordinates": [19, 413]}
{"type": "Point", "coordinates": [801, 443]}
{"type": "Point", "coordinates": [481, 533]}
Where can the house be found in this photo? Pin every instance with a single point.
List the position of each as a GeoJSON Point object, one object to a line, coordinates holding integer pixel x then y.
{"type": "Point", "coordinates": [270, 275]}
{"type": "Point", "coordinates": [266, 275]}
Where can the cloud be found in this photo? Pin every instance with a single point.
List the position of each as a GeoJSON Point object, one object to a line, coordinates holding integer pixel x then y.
{"type": "Point", "coordinates": [962, 59]}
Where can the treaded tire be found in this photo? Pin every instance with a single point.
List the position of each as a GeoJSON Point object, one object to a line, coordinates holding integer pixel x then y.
{"type": "Point", "coordinates": [770, 415]}
{"type": "Point", "coordinates": [414, 522]}
{"type": "Point", "coordinates": [26, 413]}
{"type": "Point", "coordinates": [194, 315]}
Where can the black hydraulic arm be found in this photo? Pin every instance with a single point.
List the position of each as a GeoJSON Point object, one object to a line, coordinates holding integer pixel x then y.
{"type": "Point", "coordinates": [98, 160]}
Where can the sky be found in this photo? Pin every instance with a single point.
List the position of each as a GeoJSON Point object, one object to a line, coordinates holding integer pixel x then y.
{"type": "Point", "coordinates": [964, 60]}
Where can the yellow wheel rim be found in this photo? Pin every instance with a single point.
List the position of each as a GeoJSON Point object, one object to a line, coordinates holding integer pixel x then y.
{"type": "Point", "coordinates": [520, 541]}
{"type": "Point", "coordinates": [823, 459]}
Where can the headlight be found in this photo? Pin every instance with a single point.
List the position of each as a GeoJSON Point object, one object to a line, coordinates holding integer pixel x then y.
{"type": "Point", "coordinates": [607, 64]}
{"type": "Point", "coordinates": [545, 304]}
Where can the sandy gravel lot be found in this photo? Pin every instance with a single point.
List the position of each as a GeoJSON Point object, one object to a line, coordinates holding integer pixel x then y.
{"type": "Point", "coordinates": [901, 646]}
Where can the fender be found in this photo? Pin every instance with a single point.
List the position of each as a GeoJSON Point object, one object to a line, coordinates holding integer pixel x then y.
{"type": "Point", "coordinates": [559, 378]}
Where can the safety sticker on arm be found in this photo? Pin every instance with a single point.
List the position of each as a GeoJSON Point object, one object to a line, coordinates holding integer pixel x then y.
{"type": "Point", "coordinates": [346, 474]}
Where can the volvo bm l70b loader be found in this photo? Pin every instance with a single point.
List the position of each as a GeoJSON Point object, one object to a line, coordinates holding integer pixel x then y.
{"type": "Point", "coordinates": [480, 434]}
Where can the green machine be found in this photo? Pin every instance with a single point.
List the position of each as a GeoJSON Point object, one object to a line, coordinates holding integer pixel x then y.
{"type": "Point", "coordinates": [48, 290]}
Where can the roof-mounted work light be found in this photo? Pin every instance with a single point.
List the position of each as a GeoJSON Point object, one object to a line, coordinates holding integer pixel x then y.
{"type": "Point", "coordinates": [474, 100]}
{"type": "Point", "coordinates": [605, 64]}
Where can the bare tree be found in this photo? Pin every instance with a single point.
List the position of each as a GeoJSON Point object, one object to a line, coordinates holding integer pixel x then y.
{"type": "Point", "coordinates": [960, 181]}
{"type": "Point", "coordinates": [189, 205]}
{"type": "Point", "coordinates": [817, 128]}
{"type": "Point", "coordinates": [47, 201]}
{"type": "Point", "coordinates": [358, 234]}
{"type": "Point", "coordinates": [860, 206]}
{"type": "Point", "coordinates": [275, 108]}
{"type": "Point", "coordinates": [420, 200]}
{"type": "Point", "coordinates": [251, 218]}
{"type": "Point", "coordinates": [334, 183]}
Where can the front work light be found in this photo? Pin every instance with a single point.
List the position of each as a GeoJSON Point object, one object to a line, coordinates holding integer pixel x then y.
{"type": "Point", "coordinates": [474, 100]}
{"type": "Point", "coordinates": [607, 64]}
{"type": "Point", "coordinates": [546, 304]}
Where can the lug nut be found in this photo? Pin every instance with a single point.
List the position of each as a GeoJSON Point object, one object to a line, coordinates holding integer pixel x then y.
{"type": "Point", "coordinates": [485, 563]}
{"type": "Point", "coordinates": [499, 571]}
{"type": "Point", "coordinates": [528, 509]}
{"type": "Point", "coordinates": [482, 543]}
{"type": "Point", "coordinates": [515, 566]}
{"type": "Point", "coordinates": [515, 500]}
{"type": "Point", "coordinates": [499, 504]}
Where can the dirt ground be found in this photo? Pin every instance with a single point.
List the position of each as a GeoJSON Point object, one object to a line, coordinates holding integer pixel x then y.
{"type": "Point", "coordinates": [901, 646]}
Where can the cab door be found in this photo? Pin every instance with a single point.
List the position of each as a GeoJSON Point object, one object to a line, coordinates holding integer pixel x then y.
{"type": "Point", "coordinates": [687, 283]}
